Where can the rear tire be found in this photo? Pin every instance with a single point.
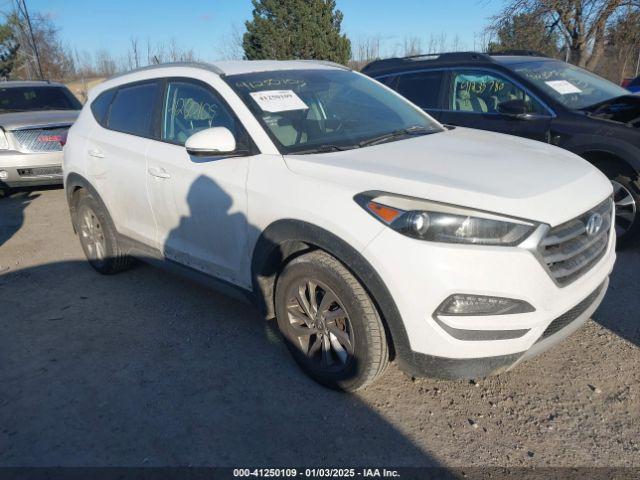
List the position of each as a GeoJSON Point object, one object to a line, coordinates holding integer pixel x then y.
{"type": "Point", "coordinates": [97, 235]}
{"type": "Point", "coordinates": [626, 195]}
{"type": "Point", "coordinates": [329, 323]}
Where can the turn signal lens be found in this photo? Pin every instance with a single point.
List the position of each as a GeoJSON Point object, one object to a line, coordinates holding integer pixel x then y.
{"type": "Point", "coordinates": [384, 213]}
{"type": "Point", "coordinates": [459, 304]}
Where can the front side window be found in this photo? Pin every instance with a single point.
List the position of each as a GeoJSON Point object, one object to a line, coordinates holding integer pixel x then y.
{"type": "Point", "coordinates": [133, 108]}
{"type": "Point", "coordinates": [190, 108]}
{"type": "Point", "coordinates": [310, 110]}
{"type": "Point", "coordinates": [483, 92]}
{"type": "Point", "coordinates": [422, 88]}
{"type": "Point", "coordinates": [572, 86]}
{"type": "Point", "coordinates": [26, 99]}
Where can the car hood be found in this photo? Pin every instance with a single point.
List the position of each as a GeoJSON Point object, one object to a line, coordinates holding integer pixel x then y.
{"type": "Point", "coordinates": [21, 120]}
{"type": "Point", "coordinates": [487, 171]}
{"type": "Point", "coordinates": [624, 109]}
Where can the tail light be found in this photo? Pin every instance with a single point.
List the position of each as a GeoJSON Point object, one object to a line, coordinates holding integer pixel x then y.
{"type": "Point", "coordinates": [63, 138]}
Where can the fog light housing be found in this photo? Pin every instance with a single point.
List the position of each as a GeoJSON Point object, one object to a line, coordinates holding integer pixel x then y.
{"type": "Point", "coordinates": [4, 175]}
{"type": "Point", "coordinates": [464, 304]}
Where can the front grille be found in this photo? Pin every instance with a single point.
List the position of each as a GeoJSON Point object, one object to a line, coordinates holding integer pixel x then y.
{"type": "Point", "coordinates": [40, 139]}
{"type": "Point", "coordinates": [569, 251]}
{"type": "Point", "coordinates": [568, 317]}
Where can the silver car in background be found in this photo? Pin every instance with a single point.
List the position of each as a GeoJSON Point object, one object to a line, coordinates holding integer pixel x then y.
{"type": "Point", "coordinates": [34, 120]}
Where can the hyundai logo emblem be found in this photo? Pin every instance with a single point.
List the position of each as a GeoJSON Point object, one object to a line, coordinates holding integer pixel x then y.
{"type": "Point", "coordinates": [594, 224]}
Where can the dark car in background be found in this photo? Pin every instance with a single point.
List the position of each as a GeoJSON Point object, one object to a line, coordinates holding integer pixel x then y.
{"type": "Point", "coordinates": [532, 96]}
{"type": "Point", "coordinates": [34, 119]}
{"type": "Point", "coordinates": [633, 85]}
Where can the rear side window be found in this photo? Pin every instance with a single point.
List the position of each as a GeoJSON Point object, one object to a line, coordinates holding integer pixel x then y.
{"type": "Point", "coordinates": [100, 106]}
{"type": "Point", "coordinates": [422, 88]}
{"type": "Point", "coordinates": [133, 109]}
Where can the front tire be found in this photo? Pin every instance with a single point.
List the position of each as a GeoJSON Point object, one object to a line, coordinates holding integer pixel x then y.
{"type": "Point", "coordinates": [626, 196]}
{"type": "Point", "coordinates": [97, 235]}
{"type": "Point", "coordinates": [329, 323]}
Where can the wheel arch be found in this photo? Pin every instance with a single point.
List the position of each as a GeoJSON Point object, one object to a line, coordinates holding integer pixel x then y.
{"type": "Point", "coordinates": [72, 184]}
{"type": "Point", "coordinates": [285, 239]}
{"type": "Point", "coordinates": [609, 163]}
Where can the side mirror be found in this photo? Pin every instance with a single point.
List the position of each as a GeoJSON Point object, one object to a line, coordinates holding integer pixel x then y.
{"type": "Point", "coordinates": [513, 108]}
{"type": "Point", "coordinates": [211, 142]}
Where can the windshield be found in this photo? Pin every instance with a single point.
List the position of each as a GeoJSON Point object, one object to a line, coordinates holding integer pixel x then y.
{"type": "Point", "coordinates": [572, 86]}
{"type": "Point", "coordinates": [327, 109]}
{"type": "Point", "coordinates": [26, 99]}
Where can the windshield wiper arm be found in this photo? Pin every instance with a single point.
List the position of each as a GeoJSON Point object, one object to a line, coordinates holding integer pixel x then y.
{"type": "Point", "coordinates": [403, 132]}
{"type": "Point", "coordinates": [326, 149]}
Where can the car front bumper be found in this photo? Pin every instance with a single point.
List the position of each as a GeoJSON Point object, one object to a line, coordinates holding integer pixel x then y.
{"type": "Point", "coordinates": [19, 169]}
{"type": "Point", "coordinates": [421, 275]}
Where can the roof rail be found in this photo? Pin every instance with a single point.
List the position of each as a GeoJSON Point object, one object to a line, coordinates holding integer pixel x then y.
{"type": "Point", "coordinates": [525, 53]}
{"type": "Point", "coordinates": [202, 65]}
{"type": "Point", "coordinates": [328, 63]}
{"type": "Point", "coordinates": [443, 57]}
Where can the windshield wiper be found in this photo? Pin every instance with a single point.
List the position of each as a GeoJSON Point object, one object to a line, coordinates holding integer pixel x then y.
{"type": "Point", "coordinates": [325, 149]}
{"type": "Point", "coordinates": [403, 132]}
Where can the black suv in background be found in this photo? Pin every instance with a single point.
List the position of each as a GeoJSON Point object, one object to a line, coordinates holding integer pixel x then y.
{"type": "Point", "coordinates": [532, 96]}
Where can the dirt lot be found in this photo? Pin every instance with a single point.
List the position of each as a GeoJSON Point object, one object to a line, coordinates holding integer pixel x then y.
{"type": "Point", "coordinates": [146, 368]}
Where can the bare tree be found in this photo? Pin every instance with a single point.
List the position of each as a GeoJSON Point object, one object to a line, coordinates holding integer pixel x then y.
{"type": "Point", "coordinates": [412, 46]}
{"type": "Point", "coordinates": [230, 46]}
{"type": "Point", "coordinates": [41, 35]}
{"type": "Point", "coordinates": [365, 50]}
{"type": "Point", "coordinates": [622, 50]}
{"type": "Point", "coordinates": [105, 65]}
{"type": "Point", "coordinates": [134, 53]}
{"type": "Point", "coordinates": [581, 23]}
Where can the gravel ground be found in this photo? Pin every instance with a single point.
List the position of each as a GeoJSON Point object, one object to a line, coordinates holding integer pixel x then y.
{"type": "Point", "coordinates": [145, 368]}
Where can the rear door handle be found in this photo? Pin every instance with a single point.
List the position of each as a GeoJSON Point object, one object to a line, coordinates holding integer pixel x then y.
{"type": "Point", "coordinates": [95, 153]}
{"type": "Point", "coordinates": [158, 172]}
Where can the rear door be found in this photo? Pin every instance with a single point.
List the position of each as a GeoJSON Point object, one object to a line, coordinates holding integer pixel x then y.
{"type": "Point", "coordinates": [117, 158]}
{"type": "Point", "coordinates": [472, 98]}
{"type": "Point", "coordinates": [424, 88]}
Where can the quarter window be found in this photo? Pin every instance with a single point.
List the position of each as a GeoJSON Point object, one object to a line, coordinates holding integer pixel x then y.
{"type": "Point", "coordinates": [190, 108]}
{"type": "Point", "coordinates": [422, 88]}
{"type": "Point", "coordinates": [133, 108]}
{"type": "Point", "coordinates": [100, 106]}
{"type": "Point", "coordinates": [482, 92]}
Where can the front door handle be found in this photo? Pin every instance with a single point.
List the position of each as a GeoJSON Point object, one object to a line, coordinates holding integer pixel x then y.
{"type": "Point", "coordinates": [158, 172]}
{"type": "Point", "coordinates": [95, 153]}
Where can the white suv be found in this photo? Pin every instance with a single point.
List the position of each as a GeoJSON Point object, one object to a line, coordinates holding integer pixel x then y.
{"type": "Point", "coordinates": [370, 231]}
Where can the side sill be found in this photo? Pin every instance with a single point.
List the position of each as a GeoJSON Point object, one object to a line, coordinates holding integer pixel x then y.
{"type": "Point", "coordinates": [154, 257]}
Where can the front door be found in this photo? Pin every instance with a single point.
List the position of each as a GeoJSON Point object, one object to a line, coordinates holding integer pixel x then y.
{"type": "Point", "coordinates": [199, 203]}
{"type": "Point", "coordinates": [473, 100]}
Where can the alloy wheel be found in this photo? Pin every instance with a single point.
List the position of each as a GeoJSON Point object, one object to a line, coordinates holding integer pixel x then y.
{"type": "Point", "coordinates": [319, 325]}
{"type": "Point", "coordinates": [625, 208]}
{"type": "Point", "coordinates": [92, 235]}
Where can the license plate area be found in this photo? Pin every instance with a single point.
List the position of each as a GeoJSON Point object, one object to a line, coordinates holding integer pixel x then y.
{"type": "Point", "coordinates": [40, 172]}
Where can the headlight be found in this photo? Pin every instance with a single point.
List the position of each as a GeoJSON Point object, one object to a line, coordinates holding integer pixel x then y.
{"type": "Point", "coordinates": [4, 144]}
{"type": "Point", "coordinates": [438, 222]}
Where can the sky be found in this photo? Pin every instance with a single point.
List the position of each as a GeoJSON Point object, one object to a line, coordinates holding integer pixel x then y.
{"type": "Point", "coordinates": [205, 25]}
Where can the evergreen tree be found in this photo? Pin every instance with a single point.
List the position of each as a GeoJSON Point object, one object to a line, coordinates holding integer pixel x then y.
{"type": "Point", "coordinates": [296, 29]}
